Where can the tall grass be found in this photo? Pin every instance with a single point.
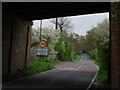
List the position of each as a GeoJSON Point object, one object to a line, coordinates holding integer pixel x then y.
{"type": "Point", "coordinates": [33, 68]}
{"type": "Point", "coordinates": [102, 73]}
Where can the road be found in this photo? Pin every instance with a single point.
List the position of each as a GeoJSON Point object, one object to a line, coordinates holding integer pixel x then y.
{"type": "Point", "coordinates": [77, 74]}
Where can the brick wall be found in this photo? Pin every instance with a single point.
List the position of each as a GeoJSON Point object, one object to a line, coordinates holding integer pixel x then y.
{"type": "Point", "coordinates": [20, 44]}
{"type": "Point", "coordinates": [16, 47]}
{"type": "Point", "coordinates": [115, 44]}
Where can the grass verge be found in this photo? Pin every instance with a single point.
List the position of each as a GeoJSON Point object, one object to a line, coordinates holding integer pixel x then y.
{"type": "Point", "coordinates": [34, 67]}
{"type": "Point", "coordinates": [102, 76]}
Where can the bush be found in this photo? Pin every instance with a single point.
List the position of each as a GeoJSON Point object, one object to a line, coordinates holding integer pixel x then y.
{"type": "Point", "coordinates": [64, 49]}
{"type": "Point", "coordinates": [102, 73]}
{"type": "Point", "coordinates": [78, 56]}
{"type": "Point", "coordinates": [92, 54]}
{"type": "Point", "coordinates": [35, 67]}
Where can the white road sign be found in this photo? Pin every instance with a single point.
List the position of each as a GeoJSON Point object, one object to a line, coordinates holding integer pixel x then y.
{"type": "Point", "coordinates": [42, 52]}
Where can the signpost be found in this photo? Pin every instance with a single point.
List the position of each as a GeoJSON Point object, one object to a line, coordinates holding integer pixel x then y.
{"type": "Point", "coordinates": [42, 51]}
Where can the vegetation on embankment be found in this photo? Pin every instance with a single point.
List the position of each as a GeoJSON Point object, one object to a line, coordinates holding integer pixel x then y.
{"type": "Point", "coordinates": [33, 68]}
{"type": "Point", "coordinates": [36, 67]}
{"type": "Point", "coordinates": [102, 75]}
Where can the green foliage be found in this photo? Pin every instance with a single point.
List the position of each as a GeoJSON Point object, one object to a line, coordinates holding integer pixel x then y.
{"type": "Point", "coordinates": [103, 50]}
{"type": "Point", "coordinates": [59, 46]}
{"type": "Point", "coordinates": [64, 49]}
{"type": "Point", "coordinates": [78, 56]}
{"type": "Point", "coordinates": [103, 55]}
{"type": "Point", "coordinates": [34, 67]}
{"type": "Point", "coordinates": [43, 59]}
{"type": "Point", "coordinates": [102, 75]}
{"type": "Point", "coordinates": [65, 46]}
{"type": "Point", "coordinates": [75, 40]}
{"type": "Point", "coordinates": [103, 72]}
{"type": "Point", "coordinates": [96, 62]}
{"type": "Point", "coordinates": [89, 43]}
{"type": "Point", "coordinates": [93, 54]}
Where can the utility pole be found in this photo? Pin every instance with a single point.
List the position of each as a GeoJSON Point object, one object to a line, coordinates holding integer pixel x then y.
{"type": "Point", "coordinates": [40, 28]}
{"type": "Point", "coordinates": [56, 25]}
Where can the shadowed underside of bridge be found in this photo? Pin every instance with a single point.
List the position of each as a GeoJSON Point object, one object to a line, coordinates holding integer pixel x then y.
{"type": "Point", "coordinates": [39, 11]}
{"type": "Point", "coordinates": [17, 26]}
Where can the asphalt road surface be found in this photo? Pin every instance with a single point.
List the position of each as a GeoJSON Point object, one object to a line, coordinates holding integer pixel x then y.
{"type": "Point", "coordinates": [77, 74]}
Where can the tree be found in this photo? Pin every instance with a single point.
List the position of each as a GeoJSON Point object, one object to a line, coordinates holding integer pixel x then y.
{"type": "Point", "coordinates": [74, 39]}
{"type": "Point", "coordinates": [51, 38]}
{"type": "Point", "coordinates": [35, 37]}
{"type": "Point", "coordinates": [90, 41]}
{"type": "Point", "coordinates": [64, 25]}
{"type": "Point", "coordinates": [64, 49]}
{"type": "Point", "coordinates": [102, 41]}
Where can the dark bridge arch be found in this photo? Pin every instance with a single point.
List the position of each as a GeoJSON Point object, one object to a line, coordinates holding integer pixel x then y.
{"type": "Point", "coordinates": [17, 22]}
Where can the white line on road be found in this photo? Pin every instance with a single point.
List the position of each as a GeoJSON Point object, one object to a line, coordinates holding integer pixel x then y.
{"type": "Point", "coordinates": [94, 77]}
{"type": "Point", "coordinates": [81, 65]}
{"type": "Point", "coordinates": [58, 66]}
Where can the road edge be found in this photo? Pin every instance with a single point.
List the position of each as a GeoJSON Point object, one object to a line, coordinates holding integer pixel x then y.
{"type": "Point", "coordinates": [28, 76]}
{"type": "Point", "coordinates": [94, 77]}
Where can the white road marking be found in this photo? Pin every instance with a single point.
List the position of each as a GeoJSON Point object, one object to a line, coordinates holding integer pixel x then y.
{"type": "Point", "coordinates": [58, 66]}
{"type": "Point", "coordinates": [81, 65]}
{"type": "Point", "coordinates": [94, 77]}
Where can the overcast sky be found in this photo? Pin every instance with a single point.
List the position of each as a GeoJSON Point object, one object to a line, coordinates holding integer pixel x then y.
{"type": "Point", "coordinates": [81, 23]}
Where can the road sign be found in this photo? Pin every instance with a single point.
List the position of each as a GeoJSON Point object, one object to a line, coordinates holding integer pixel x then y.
{"type": "Point", "coordinates": [42, 52]}
{"type": "Point", "coordinates": [42, 44]}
